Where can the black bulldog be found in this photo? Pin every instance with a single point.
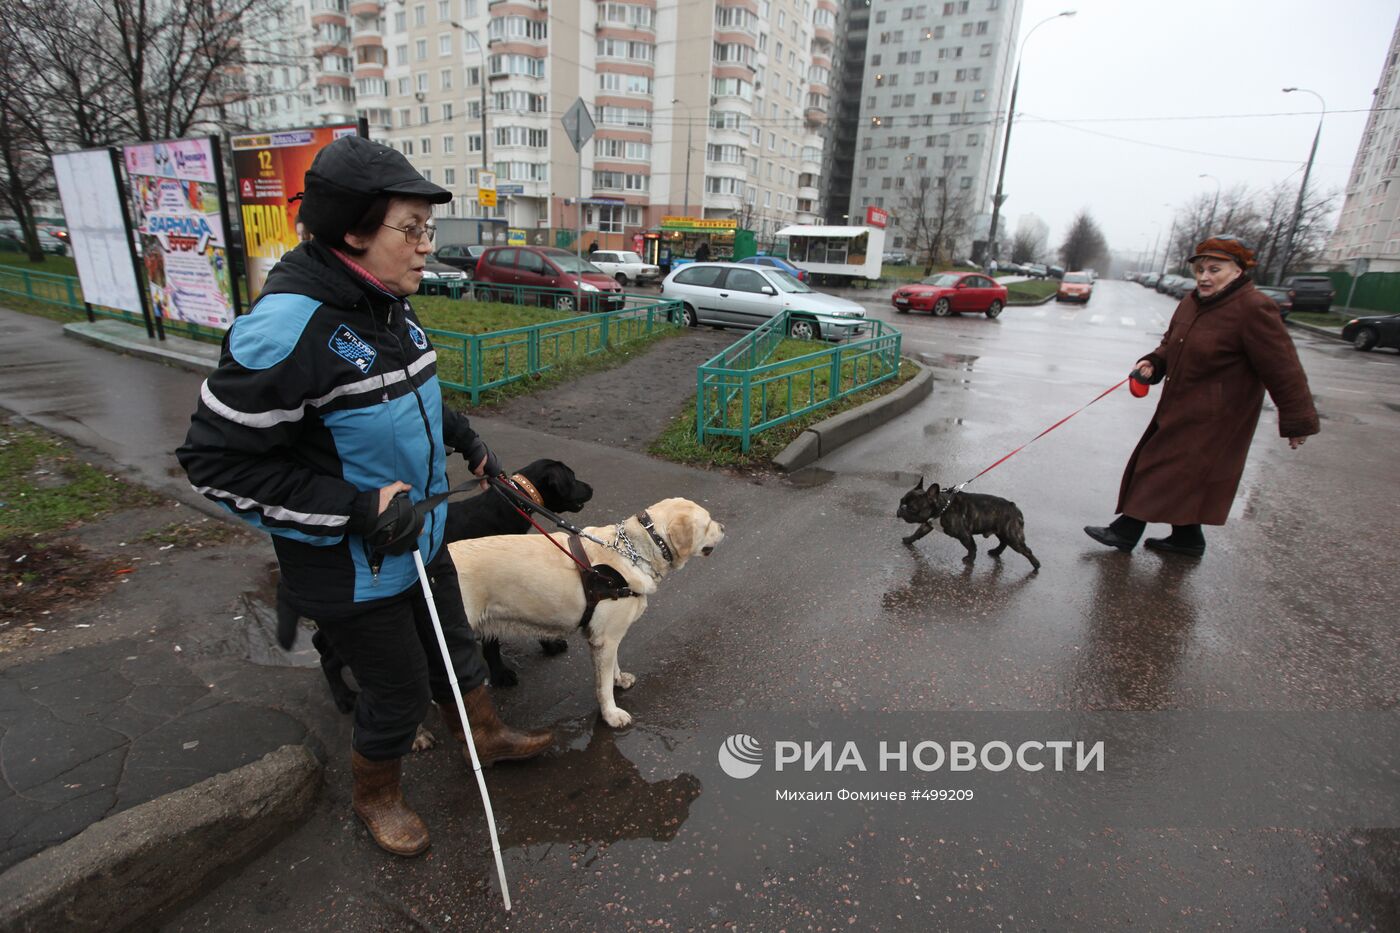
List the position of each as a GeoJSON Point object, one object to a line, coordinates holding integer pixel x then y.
{"type": "Point", "coordinates": [964, 515]}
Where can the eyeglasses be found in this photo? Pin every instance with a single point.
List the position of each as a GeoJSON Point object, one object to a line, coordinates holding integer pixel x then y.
{"type": "Point", "coordinates": [414, 233]}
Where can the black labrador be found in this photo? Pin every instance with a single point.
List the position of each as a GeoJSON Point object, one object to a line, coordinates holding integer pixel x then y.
{"type": "Point", "coordinates": [478, 517]}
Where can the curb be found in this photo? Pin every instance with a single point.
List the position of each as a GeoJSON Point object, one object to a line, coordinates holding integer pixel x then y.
{"type": "Point", "coordinates": [1314, 329]}
{"type": "Point", "coordinates": [124, 870]}
{"type": "Point", "coordinates": [1030, 304]}
{"type": "Point", "coordinates": [825, 436]}
{"type": "Point", "coordinates": [127, 338]}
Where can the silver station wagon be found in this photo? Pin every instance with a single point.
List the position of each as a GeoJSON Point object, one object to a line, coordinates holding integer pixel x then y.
{"type": "Point", "coordinates": [728, 294]}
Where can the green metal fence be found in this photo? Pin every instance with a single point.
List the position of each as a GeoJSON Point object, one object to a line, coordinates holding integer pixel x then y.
{"type": "Point", "coordinates": [476, 363]}
{"type": "Point", "coordinates": [1375, 291]}
{"type": "Point", "coordinates": [739, 393]}
{"type": "Point", "coordinates": [50, 287]}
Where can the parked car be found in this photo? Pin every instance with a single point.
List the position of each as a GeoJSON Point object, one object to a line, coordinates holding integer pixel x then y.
{"type": "Point", "coordinates": [1036, 270]}
{"type": "Point", "coordinates": [1310, 292]}
{"type": "Point", "coordinates": [1075, 286]}
{"type": "Point", "coordinates": [1279, 295]}
{"type": "Point", "coordinates": [731, 294]}
{"type": "Point", "coordinates": [776, 262]}
{"type": "Point", "coordinates": [1149, 280]}
{"type": "Point", "coordinates": [952, 293]}
{"type": "Point", "coordinates": [895, 257]}
{"type": "Point", "coordinates": [1011, 268]}
{"type": "Point", "coordinates": [12, 238]}
{"type": "Point", "coordinates": [1368, 333]}
{"type": "Point", "coordinates": [579, 281]}
{"type": "Point", "coordinates": [440, 279]}
{"type": "Point", "coordinates": [462, 257]}
{"type": "Point", "coordinates": [1181, 286]}
{"type": "Point", "coordinates": [625, 266]}
{"type": "Point", "coordinates": [1055, 272]}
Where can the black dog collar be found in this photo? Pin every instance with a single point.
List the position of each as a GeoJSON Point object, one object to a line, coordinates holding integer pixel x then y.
{"type": "Point", "coordinates": [646, 521]}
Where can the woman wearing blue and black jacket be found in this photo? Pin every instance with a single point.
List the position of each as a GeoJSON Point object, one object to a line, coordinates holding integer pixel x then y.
{"type": "Point", "coordinates": [324, 407]}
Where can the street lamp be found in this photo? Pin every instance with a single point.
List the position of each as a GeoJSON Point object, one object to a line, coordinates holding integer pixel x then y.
{"type": "Point", "coordinates": [1006, 142]}
{"type": "Point", "coordinates": [481, 79]}
{"type": "Point", "coordinates": [1302, 189]}
{"type": "Point", "coordinates": [1210, 224]}
{"type": "Point", "coordinates": [688, 127]}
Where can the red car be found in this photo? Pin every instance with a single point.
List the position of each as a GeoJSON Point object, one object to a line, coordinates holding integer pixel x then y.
{"type": "Point", "coordinates": [536, 268]}
{"type": "Point", "coordinates": [952, 293]}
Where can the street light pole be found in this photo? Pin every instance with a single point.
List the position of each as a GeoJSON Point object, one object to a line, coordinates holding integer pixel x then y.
{"type": "Point", "coordinates": [1303, 188]}
{"type": "Point", "coordinates": [1210, 224]}
{"type": "Point", "coordinates": [688, 127]}
{"type": "Point", "coordinates": [481, 80]}
{"type": "Point", "coordinates": [998, 198]}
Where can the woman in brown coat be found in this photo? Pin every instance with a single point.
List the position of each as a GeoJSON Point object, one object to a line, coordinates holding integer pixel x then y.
{"type": "Point", "coordinates": [1225, 345]}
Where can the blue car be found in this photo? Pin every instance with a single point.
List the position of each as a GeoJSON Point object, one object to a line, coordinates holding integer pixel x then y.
{"type": "Point", "coordinates": [776, 263]}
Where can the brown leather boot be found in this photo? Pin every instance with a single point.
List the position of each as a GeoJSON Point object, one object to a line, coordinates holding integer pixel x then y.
{"type": "Point", "coordinates": [378, 801]}
{"type": "Point", "coordinates": [494, 740]}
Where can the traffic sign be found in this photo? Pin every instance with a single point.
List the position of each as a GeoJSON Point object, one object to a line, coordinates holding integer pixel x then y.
{"type": "Point", "coordinates": [578, 124]}
{"type": "Point", "coordinates": [486, 189]}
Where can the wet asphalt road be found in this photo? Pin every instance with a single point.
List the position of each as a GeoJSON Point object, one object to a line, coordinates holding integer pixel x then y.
{"type": "Point", "coordinates": [813, 606]}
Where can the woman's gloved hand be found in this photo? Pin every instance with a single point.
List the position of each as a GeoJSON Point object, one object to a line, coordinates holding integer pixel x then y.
{"type": "Point", "coordinates": [480, 458]}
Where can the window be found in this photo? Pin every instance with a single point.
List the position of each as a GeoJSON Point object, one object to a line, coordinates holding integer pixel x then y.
{"type": "Point", "coordinates": [447, 112]}
{"type": "Point", "coordinates": [973, 139]}
{"type": "Point", "coordinates": [445, 78]}
{"type": "Point", "coordinates": [420, 15]}
{"type": "Point", "coordinates": [449, 144]}
{"type": "Point", "coordinates": [427, 145]}
{"type": "Point", "coordinates": [400, 21]}
{"type": "Point", "coordinates": [745, 280]}
{"type": "Point", "coordinates": [443, 10]}
{"type": "Point", "coordinates": [516, 65]}
{"type": "Point", "coordinates": [400, 55]}
{"type": "Point", "coordinates": [707, 276]}
{"type": "Point", "coordinates": [449, 177]}
{"type": "Point", "coordinates": [445, 44]}
{"type": "Point", "coordinates": [420, 50]}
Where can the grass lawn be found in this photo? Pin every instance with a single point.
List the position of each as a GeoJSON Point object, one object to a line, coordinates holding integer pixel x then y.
{"type": "Point", "coordinates": [62, 265]}
{"type": "Point", "coordinates": [678, 442]}
{"type": "Point", "coordinates": [1032, 291]}
{"type": "Point", "coordinates": [47, 488]}
{"type": "Point", "coordinates": [1319, 318]}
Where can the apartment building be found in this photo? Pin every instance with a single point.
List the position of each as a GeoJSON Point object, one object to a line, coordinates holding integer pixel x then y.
{"type": "Point", "coordinates": [1369, 226]}
{"type": "Point", "coordinates": [930, 106]}
{"type": "Point", "coordinates": [715, 111]}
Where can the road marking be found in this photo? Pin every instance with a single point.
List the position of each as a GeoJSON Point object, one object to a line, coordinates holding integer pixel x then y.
{"type": "Point", "coordinates": [1128, 322]}
{"type": "Point", "coordinates": [1069, 315]}
{"type": "Point", "coordinates": [1040, 313]}
{"type": "Point", "coordinates": [1095, 318]}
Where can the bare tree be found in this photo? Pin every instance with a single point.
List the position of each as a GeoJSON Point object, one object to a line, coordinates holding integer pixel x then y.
{"type": "Point", "coordinates": [1031, 242]}
{"type": "Point", "coordinates": [1084, 244]}
{"type": "Point", "coordinates": [933, 218]}
{"type": "Point", "coordinates": [24, 150]}
{"type": "Point", "coordinates": [1260, 218]}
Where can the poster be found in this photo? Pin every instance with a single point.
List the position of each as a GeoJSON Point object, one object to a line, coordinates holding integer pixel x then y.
{"type": "Point", "coordinates": [92, 212]}
{"type": "Point", "coordinates": [268, 169]}
{"type": "Point", "coordinates": [178, 220]}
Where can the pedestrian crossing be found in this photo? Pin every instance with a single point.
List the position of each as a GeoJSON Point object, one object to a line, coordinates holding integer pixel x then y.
{"type": "Point", "coordinates": [1081, 315]}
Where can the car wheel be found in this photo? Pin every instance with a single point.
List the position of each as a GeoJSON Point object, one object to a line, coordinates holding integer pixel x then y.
{"type": "Point", "coordinates": [1366, 339]}
{"type": "Point", "coordinates": [803, 328]}
{"type": "Point", "coordinates": [621, 279]}
{"type": "Point", "coordinates": [942, 308]}
{"type": "Point", "coordinates": [691, 318]}
{"type": "Point", "coordinates": [565, 303]}
{"type": "Point", "coordinates": [994, 309]}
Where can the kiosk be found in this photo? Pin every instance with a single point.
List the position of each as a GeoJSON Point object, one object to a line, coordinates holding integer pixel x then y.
{"type": "Point", "coordinates": [836, 255]}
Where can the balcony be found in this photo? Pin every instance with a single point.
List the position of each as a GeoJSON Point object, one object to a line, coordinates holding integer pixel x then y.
{"type": "Point", "coordinates": [365, 8]}
{"type": "Point", "coordinates": [815, 116]}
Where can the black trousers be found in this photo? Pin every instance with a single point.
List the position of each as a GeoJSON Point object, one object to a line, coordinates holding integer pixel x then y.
{"type": "Point", "coordinates": [393, 651]}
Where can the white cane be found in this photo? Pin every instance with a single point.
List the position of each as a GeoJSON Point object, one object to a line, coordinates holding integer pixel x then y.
{"type": "Point", "coordinates": [466, 726]}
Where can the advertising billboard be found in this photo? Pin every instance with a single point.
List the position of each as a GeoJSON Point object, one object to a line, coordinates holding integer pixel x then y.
{"type": "Point", "coordinates": [90, 191]}
{"type": "Point", "coordinates": [268, 170]}
{"type": "Point", "coordinates": [178, 217]}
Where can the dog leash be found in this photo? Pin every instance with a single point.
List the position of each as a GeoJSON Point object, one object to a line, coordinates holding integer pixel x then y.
{"type": "Point", "coordinates": [958, 488]}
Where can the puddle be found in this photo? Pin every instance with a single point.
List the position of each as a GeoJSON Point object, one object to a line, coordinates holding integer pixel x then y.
{"type": "Point", "coordinates": [599, 796]}
{"type": "Point", "coordinates": [255, 635]}
{"type": "Point", "coordinates": [809, 478]}
{"type": "Point", "coordinates": [951, 360]}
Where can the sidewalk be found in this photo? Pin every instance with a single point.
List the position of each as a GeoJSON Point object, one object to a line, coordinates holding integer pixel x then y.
{"type": "Point", "coordinates": [158, 737]}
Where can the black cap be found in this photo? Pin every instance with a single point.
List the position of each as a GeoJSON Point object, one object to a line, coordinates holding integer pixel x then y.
{"type": "Point", "coordinates": [347, 176]}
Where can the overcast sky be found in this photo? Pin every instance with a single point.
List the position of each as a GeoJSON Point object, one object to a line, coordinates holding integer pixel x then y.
{"type": "Point", "coordinates": [1134, 59]}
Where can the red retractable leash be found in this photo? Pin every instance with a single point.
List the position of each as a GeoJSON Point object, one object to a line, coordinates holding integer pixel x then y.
{"type": "Point", "coordinates": [1137, 385]}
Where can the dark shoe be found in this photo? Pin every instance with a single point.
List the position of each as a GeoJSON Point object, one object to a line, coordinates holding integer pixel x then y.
{"type": "Point", "coordinates": [1168, 546]}
{"type": "Point", "coordinates": [1106, 535]}
{"type": "Point", "coordinates": [494, 740]}
{"type": "Point", "coordinates": [378, 801]}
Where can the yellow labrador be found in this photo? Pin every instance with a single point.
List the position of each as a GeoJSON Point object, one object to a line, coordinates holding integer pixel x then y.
{"type": "Point", "coordinates": [524, 585]}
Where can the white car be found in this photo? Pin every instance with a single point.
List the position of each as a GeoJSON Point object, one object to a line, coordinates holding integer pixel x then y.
{"type": "Point", "coordinates": [730, 294]}
{"type": "Point", "coordinates": [625, 266]}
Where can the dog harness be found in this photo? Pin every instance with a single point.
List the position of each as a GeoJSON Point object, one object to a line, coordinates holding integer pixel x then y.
{"type": "Point", "coordinates": [600, 582]}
